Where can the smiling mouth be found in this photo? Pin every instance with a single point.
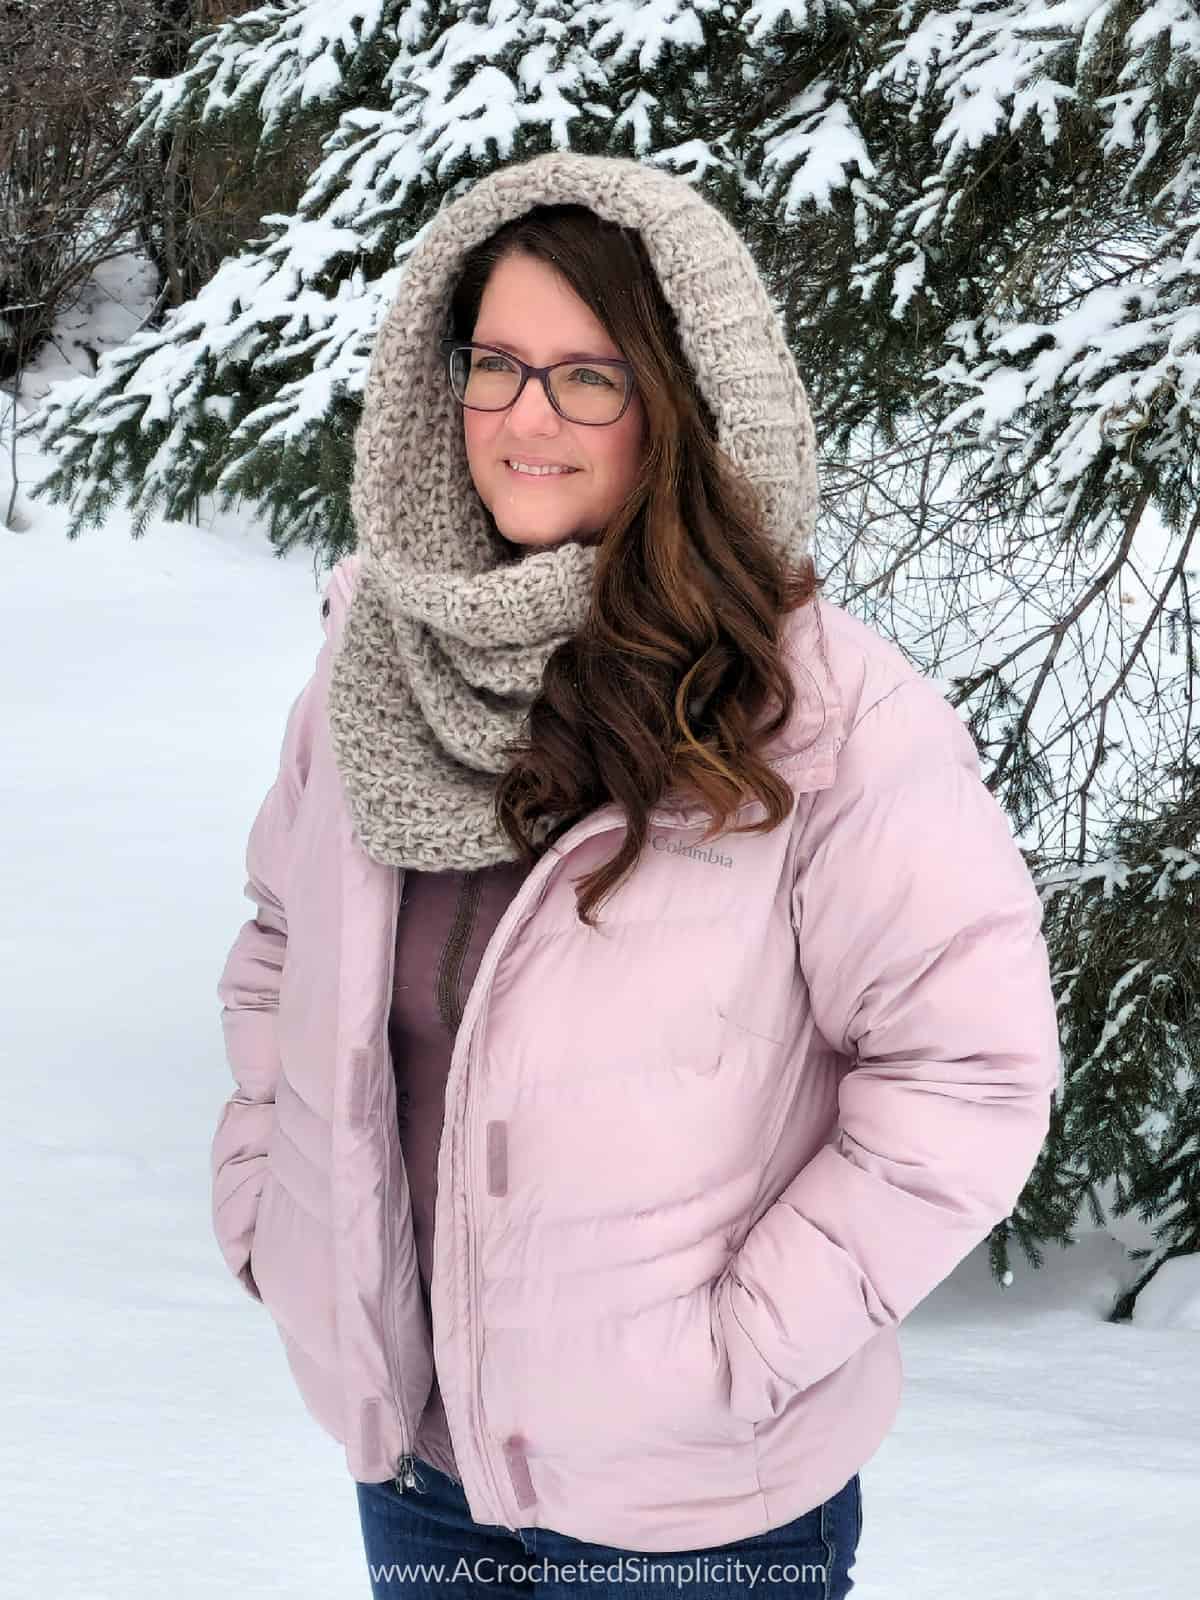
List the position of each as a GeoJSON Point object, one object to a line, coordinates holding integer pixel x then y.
{"type": "Point", "coordinates": [535, 476]}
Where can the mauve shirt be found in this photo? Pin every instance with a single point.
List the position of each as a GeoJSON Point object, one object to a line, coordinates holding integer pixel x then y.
{"type": "Point", "coordinates": [445, 922]}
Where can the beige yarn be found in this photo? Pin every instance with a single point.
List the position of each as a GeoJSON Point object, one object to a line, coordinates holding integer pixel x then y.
{"type": "Point", "coordinates": [448, 634]}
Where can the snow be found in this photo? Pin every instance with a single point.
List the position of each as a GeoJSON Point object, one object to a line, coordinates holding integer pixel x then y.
{"type": "Point", "coordinates": [153, 1440]}
{"type": "Point", "coordinates": [1171, 1299]}
{"type": "Point", "coordinates": [277, 62]}
{"type": "Point", "coordinates": [822, 145]}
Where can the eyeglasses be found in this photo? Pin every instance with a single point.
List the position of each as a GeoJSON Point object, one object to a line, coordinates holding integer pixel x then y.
{"type": "Point", "coordinates": [485, 378]}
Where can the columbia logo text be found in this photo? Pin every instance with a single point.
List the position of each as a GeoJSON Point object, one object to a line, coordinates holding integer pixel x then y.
{"type": "Point", "coordinates": [708, 855]}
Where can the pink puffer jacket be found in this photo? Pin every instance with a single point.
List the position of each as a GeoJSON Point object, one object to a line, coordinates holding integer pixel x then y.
{"type": "Point", "coordinates": [697, 1165]}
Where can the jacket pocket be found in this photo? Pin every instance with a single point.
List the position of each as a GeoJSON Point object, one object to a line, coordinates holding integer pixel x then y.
{"type": "Point", "coordinates": [648, 1386]}
{"type": "Point", "coordinates": [259, 1239]}
{"type": "Point", "coordinates": [756, 1392]}
{"type": "Point", "coordinates": [291, 1259]}
{"type": "Point", "coordinates": [238, 1165]}
{"type": "Point", "coordinates": [233, 1215]}
{"type": "Point", "coordinates": [756, 1027]}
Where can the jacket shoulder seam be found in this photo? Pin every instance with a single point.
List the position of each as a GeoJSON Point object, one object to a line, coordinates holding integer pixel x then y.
{"type": "Point", "coordinates": [955, 749]}
{"type": "Point", "coordinates": [904, 683]}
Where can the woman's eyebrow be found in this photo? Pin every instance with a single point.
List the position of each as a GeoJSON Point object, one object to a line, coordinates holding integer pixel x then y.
{"type": "Point", "coordinates": [568, 355]}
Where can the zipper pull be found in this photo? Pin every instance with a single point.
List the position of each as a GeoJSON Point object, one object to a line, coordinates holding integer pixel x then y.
{"type": "Point", "coordinates": [406, 1475]}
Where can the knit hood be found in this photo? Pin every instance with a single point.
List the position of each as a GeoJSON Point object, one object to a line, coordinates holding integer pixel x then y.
{"type": "Point", "coordinates": [448, 631]}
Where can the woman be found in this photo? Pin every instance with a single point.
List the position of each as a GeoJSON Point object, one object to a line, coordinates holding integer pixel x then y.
{"type": "Point", "coordinates": [628, 912]}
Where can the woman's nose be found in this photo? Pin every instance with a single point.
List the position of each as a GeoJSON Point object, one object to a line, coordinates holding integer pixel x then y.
{"type": "Point", "coordinates": [533, 406]}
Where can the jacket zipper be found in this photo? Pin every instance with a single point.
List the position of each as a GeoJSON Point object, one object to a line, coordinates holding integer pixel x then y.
{"type": "Point", "coordinates": [449, 972]}
{"type": "Point", "coordinates": [405, 1474]}
{"type": "Point", "coordinates": [472, 1278]}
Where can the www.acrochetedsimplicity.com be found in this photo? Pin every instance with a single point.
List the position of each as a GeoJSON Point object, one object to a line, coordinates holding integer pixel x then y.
{"type": "Point", "coordinates": [629, 1569]}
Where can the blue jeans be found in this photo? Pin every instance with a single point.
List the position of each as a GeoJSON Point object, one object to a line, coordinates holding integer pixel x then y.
{"type": "Point", "coordinates": [424, 1545]}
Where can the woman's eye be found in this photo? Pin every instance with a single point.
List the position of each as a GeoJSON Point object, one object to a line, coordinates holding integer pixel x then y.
{"type": "Point", "coordinates": [592, 373]}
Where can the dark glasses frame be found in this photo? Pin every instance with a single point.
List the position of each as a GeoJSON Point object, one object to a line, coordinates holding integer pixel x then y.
{"type": "Point", "coordinates": [449, 345]}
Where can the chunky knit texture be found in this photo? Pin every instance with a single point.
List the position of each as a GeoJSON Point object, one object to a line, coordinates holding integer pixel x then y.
{"type": "Point", "coordinates": [450, 629]}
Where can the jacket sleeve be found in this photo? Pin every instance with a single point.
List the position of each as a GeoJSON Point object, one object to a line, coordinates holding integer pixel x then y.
{"type": "Point", "coordinates": [248, 989]}
{"type": "Point", "coordinates": [919, 938]}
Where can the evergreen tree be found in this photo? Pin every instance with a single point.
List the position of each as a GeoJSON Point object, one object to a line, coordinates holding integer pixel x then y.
{"type": "Point", "coordinates": [979, 223]}
{"type": "Point", "coordinates": [1128, 985]}
{"type": "Point", "coordinates": [981, 220]}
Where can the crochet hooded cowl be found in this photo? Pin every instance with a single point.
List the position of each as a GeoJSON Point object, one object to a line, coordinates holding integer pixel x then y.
{"type": "Point", "coordinates": [450, 627]}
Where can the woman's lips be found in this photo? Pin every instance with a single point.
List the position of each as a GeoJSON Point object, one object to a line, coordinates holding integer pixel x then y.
{"type": "Point", "coordinates": [539, 477]}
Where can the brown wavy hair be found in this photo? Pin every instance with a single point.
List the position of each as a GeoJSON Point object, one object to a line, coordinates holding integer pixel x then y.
{"type": "Point", "coordinates": [665, 684]}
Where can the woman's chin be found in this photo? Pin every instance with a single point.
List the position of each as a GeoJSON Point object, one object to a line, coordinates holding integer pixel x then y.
{"type": "Point", "coordinates": [536, 539]}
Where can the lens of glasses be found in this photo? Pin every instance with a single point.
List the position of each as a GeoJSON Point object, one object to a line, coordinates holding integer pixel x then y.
{"type": "Point", "coordinates": [583, 392]}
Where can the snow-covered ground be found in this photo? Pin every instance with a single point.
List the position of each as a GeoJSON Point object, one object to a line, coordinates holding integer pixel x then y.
{"type": "Point", "coordinates": [153, 1443]}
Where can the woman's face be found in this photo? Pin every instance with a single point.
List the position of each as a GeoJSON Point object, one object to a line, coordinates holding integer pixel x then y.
{"type": "Point", "coordinates": [529, 310]}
